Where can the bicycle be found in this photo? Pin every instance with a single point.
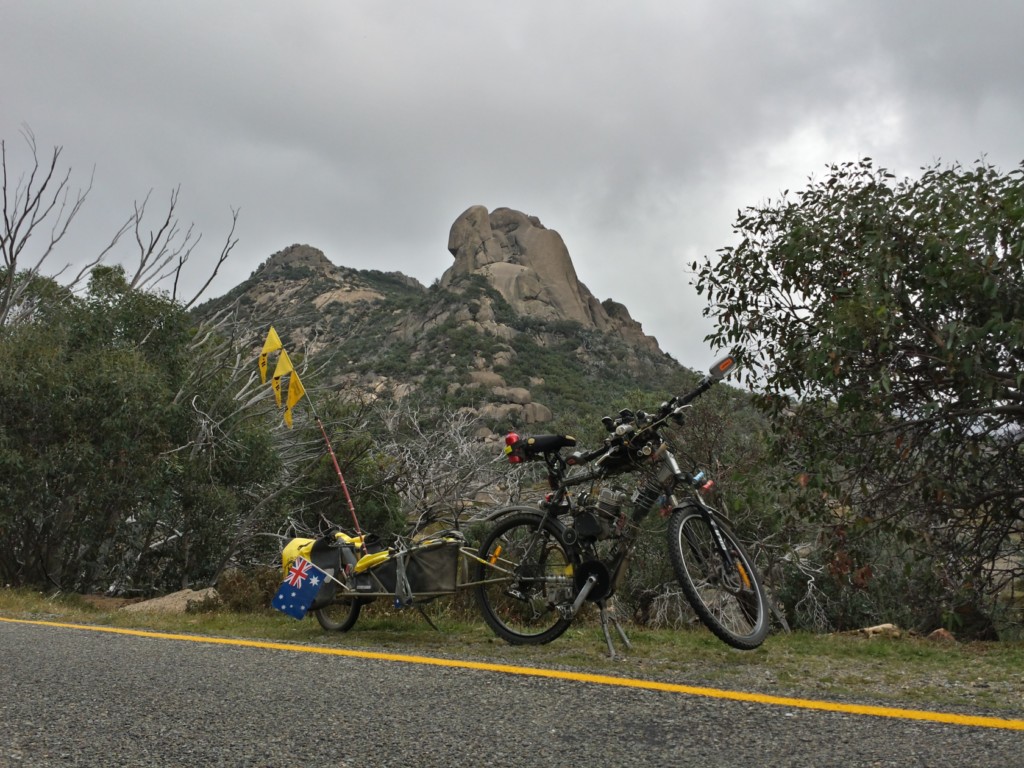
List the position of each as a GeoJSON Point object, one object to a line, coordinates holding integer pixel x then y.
{"type": "Point", "coordinates": [537, 567]}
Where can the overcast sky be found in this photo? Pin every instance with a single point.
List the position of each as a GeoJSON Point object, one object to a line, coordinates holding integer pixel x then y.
{"type": "Point", "coordinates": [635, 129]}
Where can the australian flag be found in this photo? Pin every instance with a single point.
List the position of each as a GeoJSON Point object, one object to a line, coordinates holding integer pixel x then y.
{"type": "Point", "coordinates": [299, 588]}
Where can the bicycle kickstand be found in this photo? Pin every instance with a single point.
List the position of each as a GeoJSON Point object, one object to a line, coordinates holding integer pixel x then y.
{"type": "Point", "coordinates": [608, 614]}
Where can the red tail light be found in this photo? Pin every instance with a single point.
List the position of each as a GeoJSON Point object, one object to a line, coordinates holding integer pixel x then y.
{"type": "Point", "coordinates": [514, 456]}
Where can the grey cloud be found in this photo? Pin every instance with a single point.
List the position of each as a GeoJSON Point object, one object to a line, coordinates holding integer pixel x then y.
{"type": "Point", "coordinates": [634, 129]}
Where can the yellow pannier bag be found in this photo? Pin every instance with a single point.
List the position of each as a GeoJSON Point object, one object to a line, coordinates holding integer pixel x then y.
{"type": "Point", "coordinates": [304, 548]}
{"type": "Point", "coordinates": [295, 548]}
{"type": "Point", "coordinates": [369, 561]}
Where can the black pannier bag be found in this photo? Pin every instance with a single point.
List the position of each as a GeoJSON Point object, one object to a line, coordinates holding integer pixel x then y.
{"type": "Point", "coordinates": [427, 569]}
{"type": "Point", "coordinates": [327, 556]}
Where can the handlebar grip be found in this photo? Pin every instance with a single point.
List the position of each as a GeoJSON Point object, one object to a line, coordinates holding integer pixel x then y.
{"type": "Point", "coordinates": [689, 397]}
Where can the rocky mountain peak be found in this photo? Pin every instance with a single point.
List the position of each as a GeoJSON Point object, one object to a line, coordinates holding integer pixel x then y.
{"type": "Point", "coordinates": [303, 274]}
{"type": "Point", "coordinates": [297, 260]}
{"type": "Point", "coordinates": [497, 337]}
{"type": "Point", "coordinates": [529, 265]}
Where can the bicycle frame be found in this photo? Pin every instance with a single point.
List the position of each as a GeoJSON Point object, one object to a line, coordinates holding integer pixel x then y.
{"type": "Point", "coordinates": [560, 503]}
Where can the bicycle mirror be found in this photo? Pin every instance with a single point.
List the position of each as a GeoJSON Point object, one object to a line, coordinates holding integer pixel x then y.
{"type": "Point", "coordinates": [722, 367]}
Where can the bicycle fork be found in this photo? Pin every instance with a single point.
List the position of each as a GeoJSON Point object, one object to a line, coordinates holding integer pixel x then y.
{"type": "Point", "coordinates": [731, 565]}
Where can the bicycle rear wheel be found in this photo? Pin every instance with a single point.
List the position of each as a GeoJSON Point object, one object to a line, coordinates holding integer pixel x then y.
{"type": "Point", "coordinates": [339, 616]}
{"type": "Point", "coordinates": [727, 596]}
{"type": "Point", "coordinates": [526, 574]}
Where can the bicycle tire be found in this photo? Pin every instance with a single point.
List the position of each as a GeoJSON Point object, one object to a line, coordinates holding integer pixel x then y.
{"type": "Point", "coordinates": [731, 602]}
{"type": "Point", "coordinates": [525, 574]}
{"type": "Point", "coordinates": [339, 616]}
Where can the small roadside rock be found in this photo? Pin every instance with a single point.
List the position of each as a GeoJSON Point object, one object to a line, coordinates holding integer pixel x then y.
{"type": "Point", "coordinates": [176, 602]}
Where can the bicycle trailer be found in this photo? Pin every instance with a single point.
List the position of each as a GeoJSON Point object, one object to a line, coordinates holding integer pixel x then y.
{"type": "Point", "coordinates": [410, 571]}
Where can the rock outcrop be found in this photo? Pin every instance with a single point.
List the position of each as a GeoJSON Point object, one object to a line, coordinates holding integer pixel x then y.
{"type": "Point", "coordinates": [529, 265]}
{"type": "Point", "coordinates": [177, 602]}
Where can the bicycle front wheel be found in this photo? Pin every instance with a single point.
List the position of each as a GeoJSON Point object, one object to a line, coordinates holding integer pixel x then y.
{"type": "Point", "coordinates": [525, 576]}
{"type": "Point", "coordinates": [726, 593]}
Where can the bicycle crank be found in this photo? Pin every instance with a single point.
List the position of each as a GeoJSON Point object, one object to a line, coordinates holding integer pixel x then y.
{"type": "Point", "coordinates": [593, 580]}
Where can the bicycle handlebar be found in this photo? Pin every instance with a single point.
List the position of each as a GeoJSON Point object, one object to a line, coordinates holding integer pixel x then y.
{"type": "Point", "coordinates": [717, 372]}
{"type": "Point", "coordinates": [621, 428]}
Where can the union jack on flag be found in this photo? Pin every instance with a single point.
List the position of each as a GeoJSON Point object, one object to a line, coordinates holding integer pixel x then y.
{"type": "Point", "coordinates": [299, 588]}
{"type": "Point", "coordinates": [298, 572]}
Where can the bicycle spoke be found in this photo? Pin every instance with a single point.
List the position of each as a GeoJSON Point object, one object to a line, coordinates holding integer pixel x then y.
{"type": "Point", "coordinates": [525, 575]}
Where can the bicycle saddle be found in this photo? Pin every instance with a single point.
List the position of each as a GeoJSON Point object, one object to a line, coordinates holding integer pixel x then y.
{"type": "Point", "coordinates": [517, 449]}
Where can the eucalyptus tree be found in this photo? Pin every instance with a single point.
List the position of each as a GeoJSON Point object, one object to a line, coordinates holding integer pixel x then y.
{"type": "Point", "coordinates": [881, 323]}
{"type": "Point", "coordinates": [127, 446]}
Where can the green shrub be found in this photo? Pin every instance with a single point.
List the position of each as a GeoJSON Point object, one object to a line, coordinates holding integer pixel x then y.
{"type": "Point", "coordinates": [250, 590]}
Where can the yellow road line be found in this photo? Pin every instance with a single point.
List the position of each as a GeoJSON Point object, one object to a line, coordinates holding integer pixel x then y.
{"type": "Point", "coordinates": [581, 677]}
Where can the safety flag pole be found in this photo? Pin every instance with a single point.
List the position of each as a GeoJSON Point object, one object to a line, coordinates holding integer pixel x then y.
{"type": "Point", "coordinates": [295, 393]}
{"type": "Point", "coordinates": [341, 477]}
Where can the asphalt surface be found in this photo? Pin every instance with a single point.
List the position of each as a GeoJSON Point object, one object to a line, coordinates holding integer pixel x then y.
{"type": "Point", "coordinates": [74, 697]}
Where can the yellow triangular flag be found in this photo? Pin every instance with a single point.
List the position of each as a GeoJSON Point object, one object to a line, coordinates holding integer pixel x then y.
{"type": "Point", "coordinates": [284, 367]}
{"type": "Point", "coordinates": [272, 344]}
{"type": "Point", "coordinates": [295, 393]}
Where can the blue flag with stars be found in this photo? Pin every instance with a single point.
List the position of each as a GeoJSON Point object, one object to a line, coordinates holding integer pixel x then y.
{"type": "Point", "coordinates": [299, 588]}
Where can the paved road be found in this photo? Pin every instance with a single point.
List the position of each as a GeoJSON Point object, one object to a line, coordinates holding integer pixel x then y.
{"type": "Point", "coordinates": [74, 697]}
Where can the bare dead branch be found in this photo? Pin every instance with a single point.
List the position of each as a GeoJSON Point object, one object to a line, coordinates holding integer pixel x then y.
{"type": "Point", "coordinates": [161, 246]}
{"type": "Point", "coordinates": [88, 266]}
{"type": "Point", "coordinates": [40, 196]}
{"type": "Point", "coordinates": [229, 245]}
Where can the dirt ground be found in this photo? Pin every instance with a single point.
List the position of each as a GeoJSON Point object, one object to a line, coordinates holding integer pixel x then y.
{"type": "Point", "coordinates": [104, 603]}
